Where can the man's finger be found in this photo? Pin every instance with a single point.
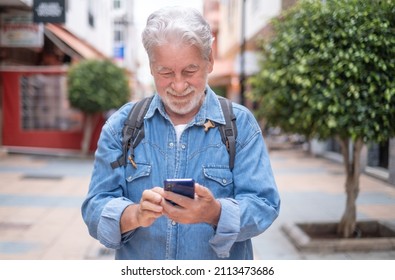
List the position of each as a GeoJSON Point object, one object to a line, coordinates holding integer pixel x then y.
{"type": "Point", "coordinates": [152, 196]}
{"type": "Point", "coordinates": [146, 205]}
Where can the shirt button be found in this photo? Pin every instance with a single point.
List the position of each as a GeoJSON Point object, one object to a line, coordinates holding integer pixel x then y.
{"type": "Point", "coordinates": [224, 181]}
{"type": "Point", "coordinates": [173, 223]}
{"type": "Point", "coordinates": [171, 145]}
{"type": "Point", "coordinates": [183, 146]}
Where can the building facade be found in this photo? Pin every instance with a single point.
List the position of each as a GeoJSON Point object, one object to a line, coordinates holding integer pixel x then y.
{"type": "Point", "coordinates": [35, 114]}
{"type": "Point", "coordinates": [108, 25]}
{"type": "Point", "coordinates": [239, 26]}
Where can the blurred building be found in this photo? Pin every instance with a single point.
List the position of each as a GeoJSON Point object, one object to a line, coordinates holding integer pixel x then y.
{"type": "Point", "coordinates": [109, 26]}
{"type": "Point", "coordinates": [238, 25]}
{"type": "Point", "coordinates": [38, 41]}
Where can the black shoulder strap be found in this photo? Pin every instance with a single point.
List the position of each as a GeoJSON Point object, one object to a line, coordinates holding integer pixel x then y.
{"type": "Point", "coordinates": [133, 131]}
{"type": "Point", "coordinates": [229, 130]}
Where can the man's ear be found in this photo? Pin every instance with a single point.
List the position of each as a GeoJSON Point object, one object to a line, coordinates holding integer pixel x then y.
{"type": "Point", "coordinates": [210, 65]}
{"type": "Point", "coordinates": [150, 69]}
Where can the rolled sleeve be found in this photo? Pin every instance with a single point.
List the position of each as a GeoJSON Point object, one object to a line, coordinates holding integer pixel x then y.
{"type": "Point", "coordinates": [228, 228]}
{"type": "Point", "coordinates": [109, 230]}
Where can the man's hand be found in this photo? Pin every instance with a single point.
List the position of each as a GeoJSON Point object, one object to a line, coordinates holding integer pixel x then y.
{"type": "Point", "coordinates": [203, 209]}
{"type": "Point", "coordinates": [144, 213]}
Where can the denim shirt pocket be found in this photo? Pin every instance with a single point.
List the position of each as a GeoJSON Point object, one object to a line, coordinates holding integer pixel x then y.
{"type": "Point", "coordinates": [137, 179]}
{"type": "Point", "coordinates": [142, 170]}
{"type": "Point", "coordinates": [219, 179]}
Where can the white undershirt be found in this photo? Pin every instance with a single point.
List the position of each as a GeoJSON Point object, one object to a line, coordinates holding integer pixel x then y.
{"type": "Point", "coordinates": [179, 129]}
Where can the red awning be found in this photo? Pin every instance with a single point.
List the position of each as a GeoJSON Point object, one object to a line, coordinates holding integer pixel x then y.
{"type": "Point", "coordinates": [71, 44]}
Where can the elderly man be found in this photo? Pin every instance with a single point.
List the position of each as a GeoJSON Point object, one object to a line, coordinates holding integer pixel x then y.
{"type": "Point", "coordinates": [127, 208]}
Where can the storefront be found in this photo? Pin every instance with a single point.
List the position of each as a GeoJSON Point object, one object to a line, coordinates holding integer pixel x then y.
{"type": "Point", "coordinates": [36, 112]}
{"type": "Point", "coordinates": [35, 115]}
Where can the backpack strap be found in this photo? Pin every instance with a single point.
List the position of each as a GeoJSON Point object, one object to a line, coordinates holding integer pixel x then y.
{"type": "Point", "coordinates": [133, 131]}
{"type": "Point", "coordinates": [229, 130]}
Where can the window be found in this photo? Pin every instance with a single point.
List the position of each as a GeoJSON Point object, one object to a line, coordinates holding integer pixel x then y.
{"type": "Point", "coordinates": [91, 16]}
{"type": "Point", "coordinates": [118, 32]}
{"type": "Point", "coordinates": [378, 154]}
{"type": "Point", "coordinates": [118, 36]}
{"type": "Point", "coordinates": [334, 146]}
{"type": "Point", "coordinates": [117, 4]}
{"type": "Point", "coordinates": [44, 104]}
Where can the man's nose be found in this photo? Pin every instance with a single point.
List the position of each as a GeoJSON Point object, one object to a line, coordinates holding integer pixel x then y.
{"type": "Point", "coordinates": [179, 84]}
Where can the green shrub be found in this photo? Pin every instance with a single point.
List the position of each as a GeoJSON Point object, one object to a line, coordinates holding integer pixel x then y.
{"type": "Point", "coordinates": [97, 86]}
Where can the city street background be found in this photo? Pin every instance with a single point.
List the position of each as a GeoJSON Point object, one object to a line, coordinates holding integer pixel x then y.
{"type": "Point", "coordinates": [41, 196]}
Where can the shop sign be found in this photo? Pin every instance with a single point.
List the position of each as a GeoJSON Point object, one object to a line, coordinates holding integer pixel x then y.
{"type": "Point", "coordinates": [18, 30]}
{"type": "Point", "coordinates": [52, 11]}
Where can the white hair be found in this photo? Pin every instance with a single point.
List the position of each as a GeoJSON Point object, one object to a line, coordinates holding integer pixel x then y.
{"type": "Point", "coordinates": [177, 25]}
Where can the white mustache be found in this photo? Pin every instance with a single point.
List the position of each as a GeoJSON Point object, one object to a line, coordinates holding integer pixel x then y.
{"type": "Point", "coordinates": [187, 91]}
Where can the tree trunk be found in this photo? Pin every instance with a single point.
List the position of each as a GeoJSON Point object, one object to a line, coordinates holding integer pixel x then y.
{"type": "Point", "coordinates": [346, 227]}
{"type": "Point", "coordinates": [87, 136]}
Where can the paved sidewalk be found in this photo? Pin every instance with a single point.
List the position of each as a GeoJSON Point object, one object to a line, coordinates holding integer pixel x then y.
{"type": "Point", "coordinates": [40, 200]}
{"type": "Point", "coordinates": [312, 190]}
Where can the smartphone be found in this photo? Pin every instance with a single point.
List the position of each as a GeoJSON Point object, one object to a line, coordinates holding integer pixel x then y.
{"type": "Point", "coordinates": [184, 187]}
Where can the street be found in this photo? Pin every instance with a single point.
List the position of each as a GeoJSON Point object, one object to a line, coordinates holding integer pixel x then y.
{"type": "Point", "coordinates": [40, 199]}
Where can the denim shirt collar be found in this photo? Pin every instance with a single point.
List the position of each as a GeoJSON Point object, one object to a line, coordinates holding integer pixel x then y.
{"type": "Point", "coordinates": [210, 109]}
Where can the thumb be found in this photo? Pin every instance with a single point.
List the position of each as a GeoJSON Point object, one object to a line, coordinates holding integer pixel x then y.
{"type": "Point", "coordinates": [202, 191]}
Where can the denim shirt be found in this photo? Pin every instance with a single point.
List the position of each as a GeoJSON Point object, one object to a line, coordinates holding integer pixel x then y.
{"type": "Point", "coordinates": [248, 194]}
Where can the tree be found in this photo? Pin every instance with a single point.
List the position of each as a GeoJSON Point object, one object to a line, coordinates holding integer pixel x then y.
{"type": "Point", "coordinates": [96, 86]}
{"type": "Point", "coordinates": [328, 72]}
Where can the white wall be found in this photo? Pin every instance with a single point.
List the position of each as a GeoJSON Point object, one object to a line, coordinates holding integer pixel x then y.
{"type": "Point", "coordinates": [101, 35]}
{"type": "Point", "coordinates": [259, 13]}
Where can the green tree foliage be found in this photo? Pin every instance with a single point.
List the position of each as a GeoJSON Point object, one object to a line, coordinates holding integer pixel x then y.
{"type": "Point", "coordinates": [97, 86]}
{"type": "Point", "coordinates": [329, 71]}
